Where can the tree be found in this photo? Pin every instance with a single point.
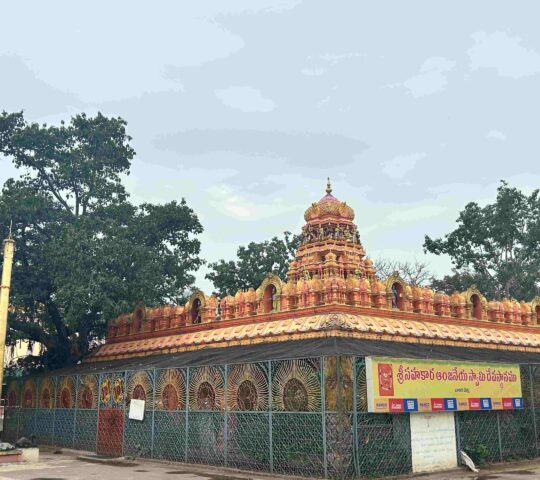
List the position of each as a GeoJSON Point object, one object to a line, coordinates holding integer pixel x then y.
{"type": "Point", "coordinates": [497, 246]}
{"type": "Point", "coordinates": [416, 273]}
{"type": "Point", "coordinates": [254, 262]}
{"type": "Point", "coordinates": [459, 281]}
{"type": "Point", "coordinates": [84, 253]}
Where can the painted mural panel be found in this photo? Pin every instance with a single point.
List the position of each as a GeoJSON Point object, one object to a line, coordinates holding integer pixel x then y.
{"type": "Point", "coordinates": [66, 392]}
{"type": "Point", "coordinates": [140, 386]}
{"type": "Point", "coordinates": [338, 393]}
{"type": "Point", "coordinates": [170, 389]}
{"type": "Point", "coordinates": [296, 385]}
{"type": "Point", "coordinates": [206, 389]}
{"type": "Point", "coordinates": [247, 387]}
{"type": "Point", "coordinates": [88, 392]}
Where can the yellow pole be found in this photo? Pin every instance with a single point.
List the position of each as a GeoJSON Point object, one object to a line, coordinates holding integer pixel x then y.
{"type": "Point", "coordinates": [9, 248]}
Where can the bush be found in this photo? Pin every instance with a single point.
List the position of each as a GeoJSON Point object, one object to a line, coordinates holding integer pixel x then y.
{"type": "Point", "coordinates": [478, 453]}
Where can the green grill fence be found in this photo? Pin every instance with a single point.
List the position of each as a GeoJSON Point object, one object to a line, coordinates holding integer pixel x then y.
{"type": "Point", "coordinates": [305, 417]}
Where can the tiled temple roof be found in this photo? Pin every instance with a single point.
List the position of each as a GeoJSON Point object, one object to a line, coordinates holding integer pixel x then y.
{"type": "Point", "coordinates": [328, 325]}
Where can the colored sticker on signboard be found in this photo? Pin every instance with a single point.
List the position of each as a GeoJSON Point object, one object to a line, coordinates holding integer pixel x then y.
{"type": "Point", "coordinates": [434, 385]}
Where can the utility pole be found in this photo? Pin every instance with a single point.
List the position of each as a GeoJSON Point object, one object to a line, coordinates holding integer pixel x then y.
{"type": "Point", "coordinates": [9, 249]}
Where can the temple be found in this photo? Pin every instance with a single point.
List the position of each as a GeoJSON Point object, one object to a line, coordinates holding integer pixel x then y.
{"type": "Point", "coordinates": [331, 290]}
{"type": "Point", "coordinates": [333, 373]}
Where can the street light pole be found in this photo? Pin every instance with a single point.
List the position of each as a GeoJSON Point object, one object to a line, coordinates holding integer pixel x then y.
{"type": "Point", "coordinates": [9, 249]}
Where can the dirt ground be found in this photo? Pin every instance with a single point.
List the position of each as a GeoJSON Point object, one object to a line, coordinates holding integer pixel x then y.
{"type": "Point", "coordinates": [70, 465]}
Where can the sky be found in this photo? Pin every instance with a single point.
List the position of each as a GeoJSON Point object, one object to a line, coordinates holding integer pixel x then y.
{"type": "Point", "coordinates": [243, 108]}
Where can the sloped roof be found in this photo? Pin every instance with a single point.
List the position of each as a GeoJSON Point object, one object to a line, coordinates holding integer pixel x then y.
{"type": "Point", "coordinates": [342, 325]}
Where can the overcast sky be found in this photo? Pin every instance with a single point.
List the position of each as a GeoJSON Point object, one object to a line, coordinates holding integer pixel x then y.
{"type": "Point", "coordinates": [245, 107]}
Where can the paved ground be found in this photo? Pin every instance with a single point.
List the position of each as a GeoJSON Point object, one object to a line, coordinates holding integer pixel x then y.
{"type": "Point", "coordinates": [69, 466]}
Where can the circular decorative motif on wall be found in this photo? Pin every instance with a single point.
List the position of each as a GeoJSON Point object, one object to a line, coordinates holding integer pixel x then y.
{"type": "Point", "coordinates": [247, 387]}
{"type": "Point", "coordinates": [170, 389]}
{"type": "Point", "coordinates": [88, 392]}
{"type": "Point", "coordinates": [139, 387]}
{"type": "Point", "coordinates": [206, 397]}
{"type": "Point", "coordinates": [296, 386]}
{"type": "Point", "coordinates": [46, 393]}
{"type": "Point", "coordinates": [247, 397]}
{"type": "Point", "coordinates": [295, 396]}
{"type": "Point", "coordinates": [206, 389]}
{"type": "Point", "coordinates": [118, 390]}
{"type": "Point", "coordinates": [66, 393]}
{"type": "Point", "coordinates": [105, 390]}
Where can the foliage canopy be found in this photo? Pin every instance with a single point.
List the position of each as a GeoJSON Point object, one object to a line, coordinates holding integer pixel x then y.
{"type": "Point", "coordinates": [254, 262]}
{"type": "Point", "coordinates": [84, 252]}
{"type": "Point", "coordinates": [496, 246]}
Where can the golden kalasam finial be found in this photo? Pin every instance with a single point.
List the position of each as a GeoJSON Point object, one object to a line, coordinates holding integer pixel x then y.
{"type": "Point", "coordinates": [328, 186]}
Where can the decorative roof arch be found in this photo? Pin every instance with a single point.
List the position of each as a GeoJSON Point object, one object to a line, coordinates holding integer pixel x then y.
{"type": "Point", "coordinates": [201, 297]}
{"type": "Point", "coordinates": [473, 290]}
{"type": "Point", "coordinates": [270, 279]}
{"type": "Point", "coordinates": [395, 278]}
{"type": "Point", "coordinates": [276, 282]}
{"type": "Point", "coordinates": [534, 305]}
{"type": "Point", "coordinates": [139, 314]}
{"type": "Point", "coordinates": [196, 295]}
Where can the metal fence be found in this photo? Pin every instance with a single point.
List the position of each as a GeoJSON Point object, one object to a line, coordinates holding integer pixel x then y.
{"type": "Point", "coordinates": [304, 417]}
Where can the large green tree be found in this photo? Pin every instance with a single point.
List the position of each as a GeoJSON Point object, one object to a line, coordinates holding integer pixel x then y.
{"type": "Point", "coordinates": [496, 246]}
{"type": "Point", "coordinates": [254, 262]}
{"type": "Point", "coordinates": [84, 252]}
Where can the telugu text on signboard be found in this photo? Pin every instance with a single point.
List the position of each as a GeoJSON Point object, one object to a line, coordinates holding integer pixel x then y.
{"type": "Point", "coordinates": [406, 385]}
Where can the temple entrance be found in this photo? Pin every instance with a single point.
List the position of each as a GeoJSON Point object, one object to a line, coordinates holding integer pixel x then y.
{"type": "Point", "coordinates": [110, 432]}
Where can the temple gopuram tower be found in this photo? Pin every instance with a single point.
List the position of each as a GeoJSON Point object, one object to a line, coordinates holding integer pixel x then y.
{"type": "Point", "coordinates": [330, 264]}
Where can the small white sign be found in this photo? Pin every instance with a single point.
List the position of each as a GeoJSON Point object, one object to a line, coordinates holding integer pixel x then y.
{"type": "Point", "coordinates": [136, 409]}
{"type": "Point", "coordinates": [433, 441]}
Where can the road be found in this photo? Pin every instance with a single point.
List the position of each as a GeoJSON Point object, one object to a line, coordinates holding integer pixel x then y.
{"type": "Point", "coordinates": [68, 466]}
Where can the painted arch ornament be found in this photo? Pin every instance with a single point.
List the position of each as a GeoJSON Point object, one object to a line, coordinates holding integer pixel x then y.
{"type": "Point", "coordinates": [46, 393]}
{"type": "Point", "coordinates": [140, 387]}
{"type": "Point", "coordinates": [88, 392]}
{"type": "Point", "coordinates": [247, 388]}
{"type": "Point", "coordinates": [66, 393]}
{"type": "Point", "coordinates": [13, 394]}
{"type": "Point", "coordinates": [105, 390]}
{"type": "Point", "coordinates": [118, 391]}
{"type": "Point", "coordinates": [206, 389]}
{"type": "Point", "coordinates": [296, 386]}
{"type": "Point", "coordinates": [170, 389]}
{"type": "Point", "coordinates": [29, 396]}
